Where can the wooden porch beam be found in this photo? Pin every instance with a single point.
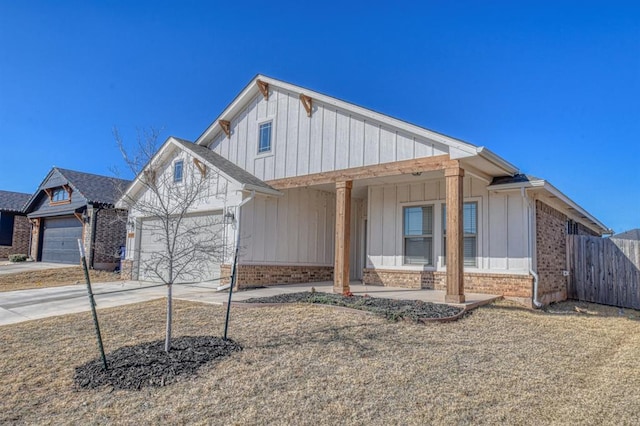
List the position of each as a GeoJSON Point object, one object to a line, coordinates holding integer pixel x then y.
{"type": "Point", "coordinates": [455, 235]}
{"type": "Point", "coordinates": [425, 164]}
{"type": "Point", "coordinates": [343, 237]}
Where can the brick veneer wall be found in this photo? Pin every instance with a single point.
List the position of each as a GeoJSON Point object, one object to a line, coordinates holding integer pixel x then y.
{"type": "Point", "coordinates": [264, 275]}
{"type": "Point", "coordinates": [20, 239]}
{"type": "Point", "coordinates": [110, 235]}
{"type": "Point", "coordinates": [551, 253]}
{"type": "Point", "coordinates": [507, 285]}
{"type": "Point", "coordinates": [126, 270]}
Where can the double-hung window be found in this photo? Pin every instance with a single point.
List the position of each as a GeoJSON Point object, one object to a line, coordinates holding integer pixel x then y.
{"type": "Point", "coordinates": [418, 235]}
{"type": "Point", "coordinates": [470, 225]}
{"type": "Point", "coordinates": [264, 138]}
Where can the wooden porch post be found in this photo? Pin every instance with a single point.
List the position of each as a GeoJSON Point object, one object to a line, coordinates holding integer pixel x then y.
{"type": "Point", "coordinates": [343, 229]}
{"type": "Point", "coordinates": [455, 235]}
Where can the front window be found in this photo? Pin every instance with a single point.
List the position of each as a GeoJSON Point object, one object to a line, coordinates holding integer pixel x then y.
{"type": "Point", "coordinates": [470, 225]}
{"type": "Point", "coordinates": [59, 194]}
{"type": "Point", "coordinates": [177, 171]}
{"type": "Point", "coordinates": [264, 142]}
{"type": "Point", "coordinates": [418, 235]}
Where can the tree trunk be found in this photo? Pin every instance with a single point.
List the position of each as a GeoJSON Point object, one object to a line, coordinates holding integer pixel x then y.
{"type": "Point", "coordinates": [167, 341]}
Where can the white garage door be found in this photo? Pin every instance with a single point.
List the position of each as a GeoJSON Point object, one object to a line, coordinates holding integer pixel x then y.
{"type": "Point", "coordinates": [199, 243]}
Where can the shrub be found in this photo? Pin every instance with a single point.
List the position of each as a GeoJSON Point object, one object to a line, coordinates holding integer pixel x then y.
{"type": "Point", "coordinates": [18, 257]}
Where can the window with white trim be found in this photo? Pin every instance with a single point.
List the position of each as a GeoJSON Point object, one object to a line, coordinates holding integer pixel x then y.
{"type": "Point", "coordinates": [178, 168]}
{"type": "Point", "coordinates": [264, 138]}
{"type": "Point", "coordinates": [470, 225]}
{"type": "Point", "coordinates": [418, 235]}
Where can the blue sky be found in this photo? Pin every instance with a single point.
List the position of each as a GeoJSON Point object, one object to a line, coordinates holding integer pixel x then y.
{"type": "Point", "coordinates": [552, 87]}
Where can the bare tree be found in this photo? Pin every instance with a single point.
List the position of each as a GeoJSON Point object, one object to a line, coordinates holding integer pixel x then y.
{"type": "Point", "coordinates": [182, 242]}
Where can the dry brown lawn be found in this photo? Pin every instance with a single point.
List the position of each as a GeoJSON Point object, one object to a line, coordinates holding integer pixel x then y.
{"type": "Point", "coordinates": [52, 278]}
{"type": "Point", "coordinates": [316, 365]}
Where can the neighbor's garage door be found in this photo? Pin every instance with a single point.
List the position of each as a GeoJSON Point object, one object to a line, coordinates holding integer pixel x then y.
{"type": "Point", "coordinates": [207, 229]}
{"type": "Point", "coordinates": [60, 240]}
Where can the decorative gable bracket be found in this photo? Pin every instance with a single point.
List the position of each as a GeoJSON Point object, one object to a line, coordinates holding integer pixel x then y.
{"type": "Point", "coordinates": [307, 103]}
{"type": "Point", "coordinates": [201, 166]}
{"type": "Point", "coordinates": [226, 127]}
{"type": "Point", "coordinates": [264, 88]}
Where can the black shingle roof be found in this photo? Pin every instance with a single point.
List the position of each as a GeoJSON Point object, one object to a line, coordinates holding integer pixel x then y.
{"type": "Point", "coordinates": [233, 171]}
{"type": "Point", "coordinates": [13, 201]}
{"type": "Point", "coordinates": [519, 178]}
{"type": "Point", "coordinates": [96, 188]}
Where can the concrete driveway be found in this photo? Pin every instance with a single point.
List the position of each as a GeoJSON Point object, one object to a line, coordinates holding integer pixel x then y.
{"type": "Point", "coordinates": [13, 268]}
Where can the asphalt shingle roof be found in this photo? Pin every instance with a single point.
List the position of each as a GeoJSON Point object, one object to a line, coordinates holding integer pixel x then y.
{"type": "Point", "coordinates": [13, 201]}
{"type": "Point", "coordinates": [233, 171]}
{"type": "Point", "coordinates": [632, 234]}
{"type": "Point", "coordinates": [96, 188]}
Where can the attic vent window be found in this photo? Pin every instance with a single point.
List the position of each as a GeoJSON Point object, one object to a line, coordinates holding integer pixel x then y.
{"type": "Point", "coordinates": [264, 142]}
{"type": "Point", "coordinates": [177, 171]}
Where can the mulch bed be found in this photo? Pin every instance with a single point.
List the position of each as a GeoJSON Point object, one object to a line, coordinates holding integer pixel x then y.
{"type": "Point", "coordinates": [148, 365]}
{"type": "Point", "coordinates": [392, 309]}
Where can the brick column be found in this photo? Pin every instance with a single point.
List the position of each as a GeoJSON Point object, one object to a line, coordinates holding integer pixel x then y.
{"type": "Point", "coordinates": [455, 236]}
{"type": "Point", "coordinates": [343, 229]}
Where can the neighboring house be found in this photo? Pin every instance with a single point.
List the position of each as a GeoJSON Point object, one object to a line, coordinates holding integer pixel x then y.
{"type": "Point", "coordinates": [71, 205]}
{"type": "Point", "coordinates": [338, 192]}
{"type": "Point", "coordinates": [14, 225]}
{"type": "Point", "coordinates": [632, 234]}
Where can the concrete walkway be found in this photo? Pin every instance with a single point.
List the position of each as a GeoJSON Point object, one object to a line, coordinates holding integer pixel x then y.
{"type": "Point", "coordinates": [24, 305]}
{"type": "Point", "coordinates": [14, 268]}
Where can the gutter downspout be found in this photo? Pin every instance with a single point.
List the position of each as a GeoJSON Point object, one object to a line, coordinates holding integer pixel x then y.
{"type": "Point", "coordinates": [238, 212]}
{"type": "Point", "coordinates": [531, 209]}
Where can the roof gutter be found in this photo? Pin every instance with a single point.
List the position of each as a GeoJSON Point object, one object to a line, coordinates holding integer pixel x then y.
{"type": "Point", "coordinates": [268, 191]}
{"type": "Point", "coordinates": [556, 192]}
{"type": "Point", "coordinates": [543, 184]}
{"type": "Point", "coordinates": [496, 160]}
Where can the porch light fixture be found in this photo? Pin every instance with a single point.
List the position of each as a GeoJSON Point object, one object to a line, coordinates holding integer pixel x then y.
{"type": "Point", "coordinates": [229, 217]}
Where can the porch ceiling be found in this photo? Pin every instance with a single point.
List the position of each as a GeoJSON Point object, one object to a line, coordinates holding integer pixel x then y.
{"type": "Point", "coordinates": [360, 186]}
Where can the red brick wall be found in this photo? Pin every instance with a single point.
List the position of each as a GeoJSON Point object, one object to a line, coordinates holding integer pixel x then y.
{"type": "Point", "coordinates": [264, 275]}
{"type": "Point", "coordinates": [551, 253]}
{"type": "Point", "coordinates": [508, 285]}
{"type": "Point", "coordinates": [110, 235]}
{"type": "Point", "coordinates": [20, 240]}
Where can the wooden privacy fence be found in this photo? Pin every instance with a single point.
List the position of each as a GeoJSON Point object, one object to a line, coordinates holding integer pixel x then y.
{"type": "Point", "coordinates": [604, 270]}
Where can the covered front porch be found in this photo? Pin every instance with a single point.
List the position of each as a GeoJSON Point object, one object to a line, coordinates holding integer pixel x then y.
{"type": "Point", "coordinates": [352, 184]}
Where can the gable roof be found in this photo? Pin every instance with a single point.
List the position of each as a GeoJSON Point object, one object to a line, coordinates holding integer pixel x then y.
{"type": "Point", "coordinates": [96, 189]}
{"type": "Point", "coordinates": [458, 148]}
{"type": "Point", "coordinates": [13, 201]}
{"type": "Point", "coordinates": [632, 234]}
{"type": "Point", "coordinates": [247, 181]}
{"type": "Point", "coordinates": [240, 175]}
{"type": "Point", "coordinates": [528, 181]}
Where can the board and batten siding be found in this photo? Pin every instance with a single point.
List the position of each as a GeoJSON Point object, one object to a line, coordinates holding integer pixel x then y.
{"type": "Point", "coordinates": [502, 225]}
{"type": "Point", "coordinates": [221, 195]}
{"type": "Point", "coordinates": [297, 228]}
{"type": "Point", "coordinates": [331, 139]}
